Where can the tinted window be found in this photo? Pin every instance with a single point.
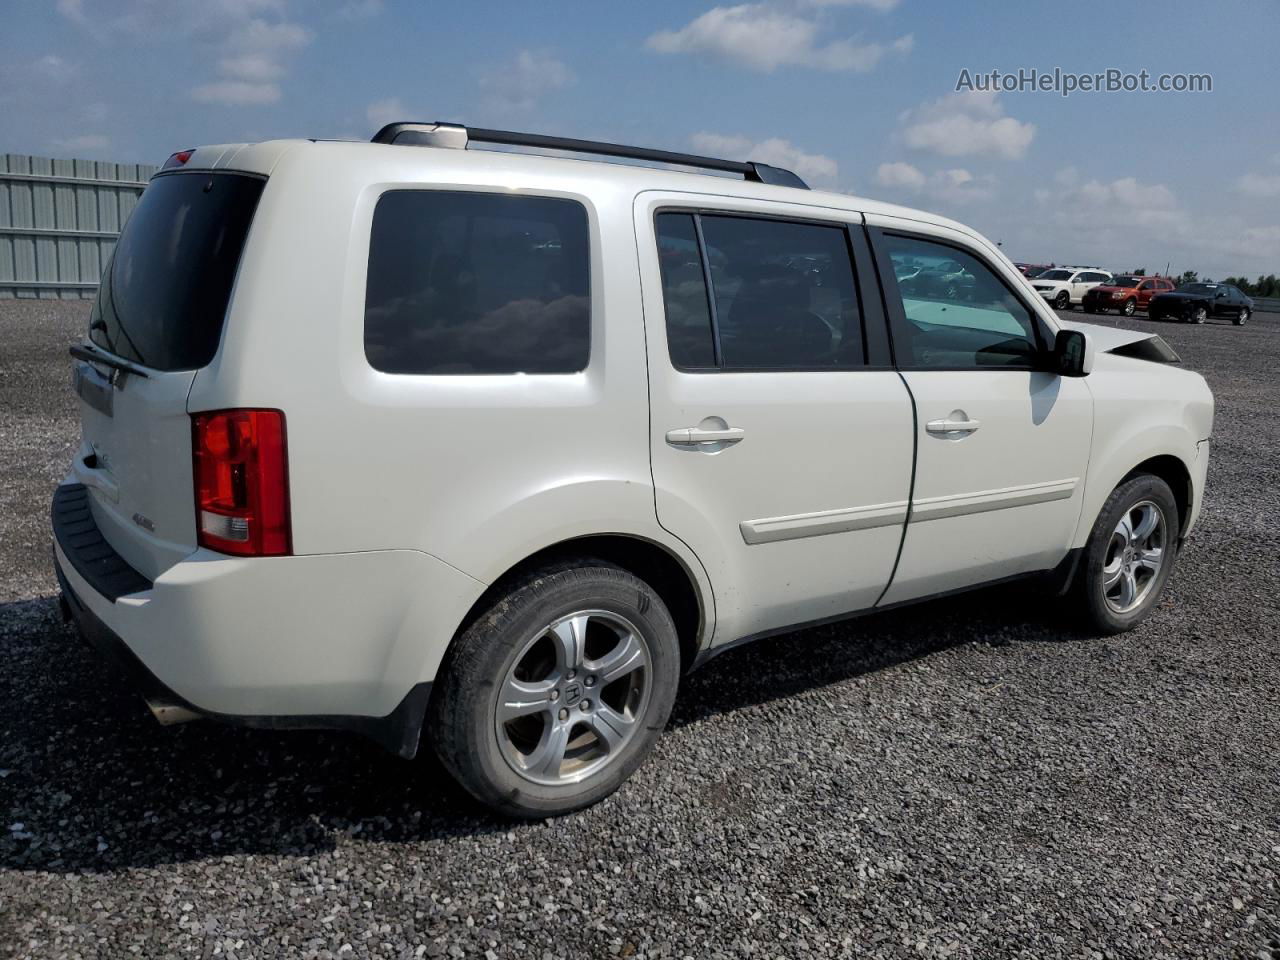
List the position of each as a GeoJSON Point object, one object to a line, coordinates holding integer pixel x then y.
{"type": "Point", "coordinates": [165, 291]}
{"type": "Point", "coordinates": [684, 292]}
{"type": "Point", "coordinates": [477, 283]}
{"type": "Point", "coordinates": [784, 294]}
{"type": "Point", "coordinates": [957, 319]}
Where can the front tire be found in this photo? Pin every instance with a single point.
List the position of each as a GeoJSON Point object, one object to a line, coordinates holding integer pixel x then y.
{"type": "Point", "coordinates": [1129, 555]}
{"type": "Point", "coordinates": [1242, 317]}
{"type": "Point", "coordinates": [1129, 308]}
{"type": "Point", "coordinates": [558, 691]}
{"type": "Point", "coordinates": [1062, 301]}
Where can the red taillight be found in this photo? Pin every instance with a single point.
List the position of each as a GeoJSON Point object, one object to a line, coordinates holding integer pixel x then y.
{"type": "Point", "coordinates": [241, 469]}
{"type": "Point", "coordinates": [178, 159]}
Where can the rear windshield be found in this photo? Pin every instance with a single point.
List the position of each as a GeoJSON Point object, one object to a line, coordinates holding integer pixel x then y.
{"type": "Point", "coordinates": [165, 290]}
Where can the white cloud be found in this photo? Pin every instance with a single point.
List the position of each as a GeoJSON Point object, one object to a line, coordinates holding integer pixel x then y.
{"type": "Point", "coordinates": [257, 53]}
{"type": "Point", "coordinates": [237, 93]}
{"type": "Point", "coordinates": [381, 112]}
{"type": "Point", "coordinates": [262, 37]}
{"type": "Point", "coordinates": [762, 38]}
{"type": "Point", "coordinates": [880, 5]}
{"type": "Point", "coordinates": [813, 168]}
{"type": "Point", "coordinates": [1260, 184]}
{"type": "Point", "coordinates": [965, 124]}
{"type": "Point", "coordinates": [252, 67]}
{"type": "Point", "coordinates": [953, 186]}
{"type": "Point", "coordinates": [73, 10]}
{"type": "Point", "coordinates": [1129, 194]}
{"type": "Point", "coordinates": [520, 84]}
{"type": "Point", "coordinates": [899, 175]}
{"type": "Point", "coordinates": [54, 68]}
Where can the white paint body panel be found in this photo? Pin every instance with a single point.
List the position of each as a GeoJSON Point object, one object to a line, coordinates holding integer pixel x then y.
{"type": "Point", "coordinates": [410, 494]}
{"type": "Point", "coordinates": [814, 442]}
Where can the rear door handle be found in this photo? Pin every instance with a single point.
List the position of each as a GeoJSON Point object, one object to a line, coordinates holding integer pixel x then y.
{"type": "Point", "coordinates": [692, 436]}
{"type": "Point", "coordinates": [952, 425]}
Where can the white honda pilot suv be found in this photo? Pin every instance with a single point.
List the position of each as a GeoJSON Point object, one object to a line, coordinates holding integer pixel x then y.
{"type": "Point", "coordinates": [1065, 287]}
{"type": "Point", "coordinates": [415, 438]}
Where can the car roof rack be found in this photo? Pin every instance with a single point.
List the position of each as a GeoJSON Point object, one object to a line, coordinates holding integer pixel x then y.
{"type": "Point", "coordinates": [458, 137]}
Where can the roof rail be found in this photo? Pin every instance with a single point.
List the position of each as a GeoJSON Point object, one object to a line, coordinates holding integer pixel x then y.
{"type": "Point", "coordinates": [458, 137]}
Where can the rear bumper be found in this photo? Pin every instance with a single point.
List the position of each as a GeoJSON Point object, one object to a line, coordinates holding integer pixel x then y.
{"type": "Point", "coordinates": [398, 731]}
{"type": "Point", "coordinates": [336, 641]}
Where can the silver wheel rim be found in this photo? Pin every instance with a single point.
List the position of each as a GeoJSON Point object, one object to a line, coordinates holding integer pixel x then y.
{"type": "Point", "coordinates": [1135, 556]}
{"type": "Point", "coordinates": [573, 697]}
{"type": "Point", "coordinates": [1129, 308]}
{"type": "Point", "coordinates": [1244, 315]}
{"type": "Point", "coordinates": [1200, 315]}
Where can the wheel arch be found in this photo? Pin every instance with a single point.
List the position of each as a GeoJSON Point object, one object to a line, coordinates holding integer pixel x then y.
{"type": "Point", "coordinates": [1176, 474]}
{"type": "Point", "coordinates": [687, 598]}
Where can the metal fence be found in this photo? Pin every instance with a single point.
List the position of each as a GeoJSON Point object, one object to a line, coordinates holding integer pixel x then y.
{"type": "Point", "coordinates": [59, 220]}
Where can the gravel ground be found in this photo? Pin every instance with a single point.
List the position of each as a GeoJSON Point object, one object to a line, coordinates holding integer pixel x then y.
{"type": "Point", "coordinates": [969, 778]}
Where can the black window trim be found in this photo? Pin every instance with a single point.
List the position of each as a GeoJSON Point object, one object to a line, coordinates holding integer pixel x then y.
{"type": "Point", "coordinates": [488, 190]}
{"type": "Point", "coordinates": [896, 314]}
{"type": "Point", "coordinates": [860, 255]}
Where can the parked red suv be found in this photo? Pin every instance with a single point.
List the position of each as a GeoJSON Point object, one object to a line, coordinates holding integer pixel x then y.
{"type": "Point", "coordinates": [1126, 294]}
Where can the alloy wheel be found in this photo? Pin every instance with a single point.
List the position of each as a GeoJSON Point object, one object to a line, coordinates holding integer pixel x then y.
{"type": "Point", "coordinates": [1129, 308]}
{"type": "Point", "coordinates": [1200, 315]}
{"type": "Point", "coordinates": [573, 697]}
{"type": "Point", "coordinates": [1243, 318]}
{"type": "Point", "coordinates": [1135, 557]}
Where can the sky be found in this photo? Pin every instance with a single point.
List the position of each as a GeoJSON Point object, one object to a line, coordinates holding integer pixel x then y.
{"type": "Point", "coordinates": [858, 96]}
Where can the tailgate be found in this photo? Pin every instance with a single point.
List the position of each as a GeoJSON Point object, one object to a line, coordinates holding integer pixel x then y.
{"type": "Point", "coordinates": [158, 319]}
{"type": "Point", "coordinates": [135, 458]}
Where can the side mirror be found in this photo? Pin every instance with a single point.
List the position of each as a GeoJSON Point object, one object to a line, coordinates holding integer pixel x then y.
{"type": "Point", "coordinates": [1072, 354]}
{"type": "Point", "coordinates": [1222, 294]}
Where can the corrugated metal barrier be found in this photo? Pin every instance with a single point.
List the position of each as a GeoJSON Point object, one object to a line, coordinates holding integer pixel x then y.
{"type": "Point", "coordinates": [59, 220]}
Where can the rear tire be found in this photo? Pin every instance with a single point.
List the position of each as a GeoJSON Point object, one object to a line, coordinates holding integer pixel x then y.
{"type": "Point", "coordinates": [1128, 556]}
{"type": "Point", "coordinates": [1199, 315]}
{"type": "Point", "coordinates": [558, 691]}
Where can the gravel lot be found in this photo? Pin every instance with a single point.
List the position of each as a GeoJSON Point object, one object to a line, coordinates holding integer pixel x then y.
{"type": "Point", "coordinates": [969, 778]}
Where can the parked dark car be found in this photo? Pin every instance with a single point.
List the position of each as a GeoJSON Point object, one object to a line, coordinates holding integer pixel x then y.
{"type": "Point", "coordinates": [1125, 294]}
{"type": "Point", "coordinates": [1197, 302]}
{"type": "Point", "coordinates": [1030, 270]}
{"type": "Point", "coordinates": [945, 279]}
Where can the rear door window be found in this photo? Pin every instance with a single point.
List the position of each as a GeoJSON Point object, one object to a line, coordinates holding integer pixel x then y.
{"type": "Point", "coordinates": [477, 283]}
{"type": "Point", "coordinates": [783, 294]}
{"type": "Point", "coordinates": [166, 289]}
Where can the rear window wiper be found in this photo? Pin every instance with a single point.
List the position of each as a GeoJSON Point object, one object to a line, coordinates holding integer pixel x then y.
{"type": "Point", "coordinates": [84, 352]}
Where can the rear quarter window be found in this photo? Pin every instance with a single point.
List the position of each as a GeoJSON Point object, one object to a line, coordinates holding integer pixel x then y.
{"type": "Point", "coordinates": [477, 283]}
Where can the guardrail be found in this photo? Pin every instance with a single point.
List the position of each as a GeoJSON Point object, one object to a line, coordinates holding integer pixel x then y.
{"type": "Point", "coordinates": [1267, 304]}
{"type": "Point", "coordinates": [59, 220]}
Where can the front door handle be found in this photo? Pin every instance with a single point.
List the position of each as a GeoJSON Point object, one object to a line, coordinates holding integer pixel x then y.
{"type": "Point", "coordinates": [693, 436]}
{"type": "Point", "coordinates": [957, 423]}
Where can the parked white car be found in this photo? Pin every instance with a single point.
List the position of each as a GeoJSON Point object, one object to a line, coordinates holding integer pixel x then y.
{"type": "Point", "coordinates": [409, 437]}
{"type": "Point", "coordinates": [1065, 287]}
